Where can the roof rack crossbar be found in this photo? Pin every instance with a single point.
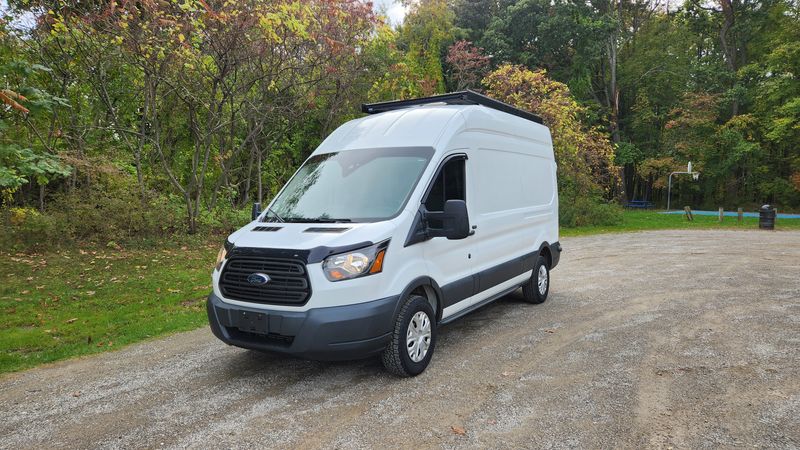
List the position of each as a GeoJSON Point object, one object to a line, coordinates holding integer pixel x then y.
{"type": "Point", "coordinates": [467, 97]}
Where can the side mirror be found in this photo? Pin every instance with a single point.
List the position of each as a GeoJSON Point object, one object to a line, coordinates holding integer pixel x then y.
{"type": "Point", "coordinates": [454, 221]}
{"type": "Point", "coordinates": [256, 210]}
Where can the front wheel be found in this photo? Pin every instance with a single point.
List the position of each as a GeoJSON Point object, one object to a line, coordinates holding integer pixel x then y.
{"type": "Point", "coordinates": [413, 338]}
{"type": "Point", "coordinates": [535, 290]}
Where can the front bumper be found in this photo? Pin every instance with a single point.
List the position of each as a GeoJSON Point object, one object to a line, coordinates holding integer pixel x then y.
{"type": "Point", "coordinates": [334, 333]}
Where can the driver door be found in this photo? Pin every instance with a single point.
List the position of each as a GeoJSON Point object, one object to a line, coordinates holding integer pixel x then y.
{"type": "Point", "coordinates": [450, 262]}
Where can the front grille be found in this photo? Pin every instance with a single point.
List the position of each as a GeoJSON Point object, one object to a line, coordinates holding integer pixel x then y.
{"type": "Point", "coordinates": [288, 283]}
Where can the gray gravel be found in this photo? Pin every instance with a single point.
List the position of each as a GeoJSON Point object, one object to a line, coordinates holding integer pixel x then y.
{"type": "Point", "coordinates": [657, 339]}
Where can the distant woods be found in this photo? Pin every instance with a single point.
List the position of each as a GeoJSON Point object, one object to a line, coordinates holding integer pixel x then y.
{"type": "Point", "coordinates": [153, 117]}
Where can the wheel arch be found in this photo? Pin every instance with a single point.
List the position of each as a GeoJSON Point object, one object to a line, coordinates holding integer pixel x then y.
{"type": "Point", "coordinates": [544, 251]}
{"type": "Point", "coordinates": [426, 287]}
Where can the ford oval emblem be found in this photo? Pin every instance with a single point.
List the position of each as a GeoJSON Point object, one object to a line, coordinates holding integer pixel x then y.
{"type": "Point", "coordinates": [258, 279]}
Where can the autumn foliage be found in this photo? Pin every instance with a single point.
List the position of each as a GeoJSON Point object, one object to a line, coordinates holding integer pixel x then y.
{"type": "Point", "coordinates": [467, 64]}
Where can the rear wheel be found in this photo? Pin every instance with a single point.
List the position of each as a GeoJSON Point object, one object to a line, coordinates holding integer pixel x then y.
{"type": "Point", "coordinates": [413, 338]}
{"type": "Point", "coordinates": [535, 290]}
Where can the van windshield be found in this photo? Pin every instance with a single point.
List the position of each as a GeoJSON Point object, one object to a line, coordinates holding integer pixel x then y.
{"type": "Point", "coordinates": [351, 186]}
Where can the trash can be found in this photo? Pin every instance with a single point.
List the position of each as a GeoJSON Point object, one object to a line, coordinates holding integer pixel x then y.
{"type": "Point", "coordinates": [766, 218]}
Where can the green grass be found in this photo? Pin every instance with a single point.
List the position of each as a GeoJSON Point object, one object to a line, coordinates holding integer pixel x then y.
{"type": "Point", "coordinates": [77, 301]}
{"type": "Point", "coordinates": [653, 220]}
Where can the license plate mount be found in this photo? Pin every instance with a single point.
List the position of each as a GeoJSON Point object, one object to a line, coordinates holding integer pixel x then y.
{"type": "Point", "coordinates": [252, 322]}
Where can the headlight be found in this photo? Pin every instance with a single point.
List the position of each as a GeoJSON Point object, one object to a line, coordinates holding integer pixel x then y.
{"type": "Point", "coordinates": [358, 263]}
{"type": "Point", "coordinates": [223, 253]}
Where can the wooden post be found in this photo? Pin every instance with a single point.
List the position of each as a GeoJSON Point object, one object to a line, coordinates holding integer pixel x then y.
{"type": "Point", "coordinates": [688, 212]}
{"type": "Point", "coordinates": [739, 215]}
{"type": "Point", "coordinates": [721, 214]}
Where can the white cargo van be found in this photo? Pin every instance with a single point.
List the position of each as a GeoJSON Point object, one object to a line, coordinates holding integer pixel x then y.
{"type": "Point", "coordinates": [399, 222]}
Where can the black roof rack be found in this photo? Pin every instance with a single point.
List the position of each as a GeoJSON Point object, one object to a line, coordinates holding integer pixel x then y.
{"type": "Point", "coordinates": [467, 97]}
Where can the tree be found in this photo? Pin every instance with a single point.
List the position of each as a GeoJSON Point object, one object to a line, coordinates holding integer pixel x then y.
{"type": "Point", "coordinates": [467, 65]}
{"type": "Point", "coordinates": [425, 34]}
{"type": "Point", "coordinates": [205, 95]}
{"type": "Point", "coordinates": [24, 111]}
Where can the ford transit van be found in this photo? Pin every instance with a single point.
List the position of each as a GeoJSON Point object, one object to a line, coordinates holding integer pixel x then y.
{"type": "Point", "coordinates": [398, 223]}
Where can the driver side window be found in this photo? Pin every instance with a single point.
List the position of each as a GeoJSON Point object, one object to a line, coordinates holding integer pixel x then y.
{"type": "Point", "coordinates": [449, 185]}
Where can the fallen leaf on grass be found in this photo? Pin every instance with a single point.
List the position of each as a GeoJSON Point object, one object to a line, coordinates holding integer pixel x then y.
{"type": "Point", "coordinates": [174, 291]}
{"type": "Point", "coordinates": [89, 293]}
{"type": "Point", "coordinates": [458, 430]}
{"type": "Point", "coordinates": [192, 302]}
{"type": "Point", "coordinates": [71, 320]}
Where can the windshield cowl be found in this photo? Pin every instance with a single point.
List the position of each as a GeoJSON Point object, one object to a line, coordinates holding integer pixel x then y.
{"type": "Point", "coordinates": [273, 219]}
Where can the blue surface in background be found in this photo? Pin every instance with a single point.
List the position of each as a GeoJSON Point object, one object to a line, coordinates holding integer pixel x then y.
{"type": "Point", "coordinates": [732, 214]}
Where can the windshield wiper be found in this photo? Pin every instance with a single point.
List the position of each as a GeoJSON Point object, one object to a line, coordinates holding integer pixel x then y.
{"type": "Point", "coordinates": [270, 210]}
{"type": "Point", "coordinates": [326, 220]}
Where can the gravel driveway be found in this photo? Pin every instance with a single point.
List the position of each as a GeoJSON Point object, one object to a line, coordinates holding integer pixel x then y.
{"type": "Point", "coordinates": [657, 339]}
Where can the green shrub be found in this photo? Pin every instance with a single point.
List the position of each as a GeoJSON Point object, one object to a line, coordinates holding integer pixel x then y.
{"type": "Point", "coordinates": [90, 215]}
{"type": "Point", "coordinates": [114, 213]}
{"type": "Point", "coordinates": [588, 211]}
{"type": "Point", "coordinates": [224, 218]}
{"type": "Point", "coordinates": [22, 228]}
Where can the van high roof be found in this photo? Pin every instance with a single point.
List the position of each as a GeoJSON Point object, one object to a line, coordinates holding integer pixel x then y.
{"type": "Point", "coordinates": [429, 121]}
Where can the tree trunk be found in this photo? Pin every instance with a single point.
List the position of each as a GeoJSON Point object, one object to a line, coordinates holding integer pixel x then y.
{"type": "Point", "coordinates": [258, 174]}
{"type": "Point", "coordinates": [190, 213]}
{"type": "Point", "coordinates": [729, 46]}
{"type": "Point", "coordinates": [247, 180]}
{"type": "Point", "coordinates": [613, 97]}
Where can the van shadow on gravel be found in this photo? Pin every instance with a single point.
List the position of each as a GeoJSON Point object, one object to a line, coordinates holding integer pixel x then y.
{"type": "Point", "coordinates": [243, 363]}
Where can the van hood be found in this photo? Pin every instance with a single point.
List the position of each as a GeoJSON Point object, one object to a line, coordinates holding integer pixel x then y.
{"type": "Point", "coordinates": [307, 236]}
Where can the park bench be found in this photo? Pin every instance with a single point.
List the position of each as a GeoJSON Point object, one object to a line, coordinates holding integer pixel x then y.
{"type": "Point", "coordinates": [639, 204]}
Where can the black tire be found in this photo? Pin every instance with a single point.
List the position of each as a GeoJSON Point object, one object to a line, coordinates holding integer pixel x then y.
{"type": "Point", "coordinates": [530, 290]}
{"type": "Point", "coordinates": [396, 357]}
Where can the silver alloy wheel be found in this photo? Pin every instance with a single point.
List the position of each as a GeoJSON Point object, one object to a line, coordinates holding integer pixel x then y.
{"type": "Point", "coordinates": [418, 336]}
{"type": "Point", "coordinates": [542, 282]}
